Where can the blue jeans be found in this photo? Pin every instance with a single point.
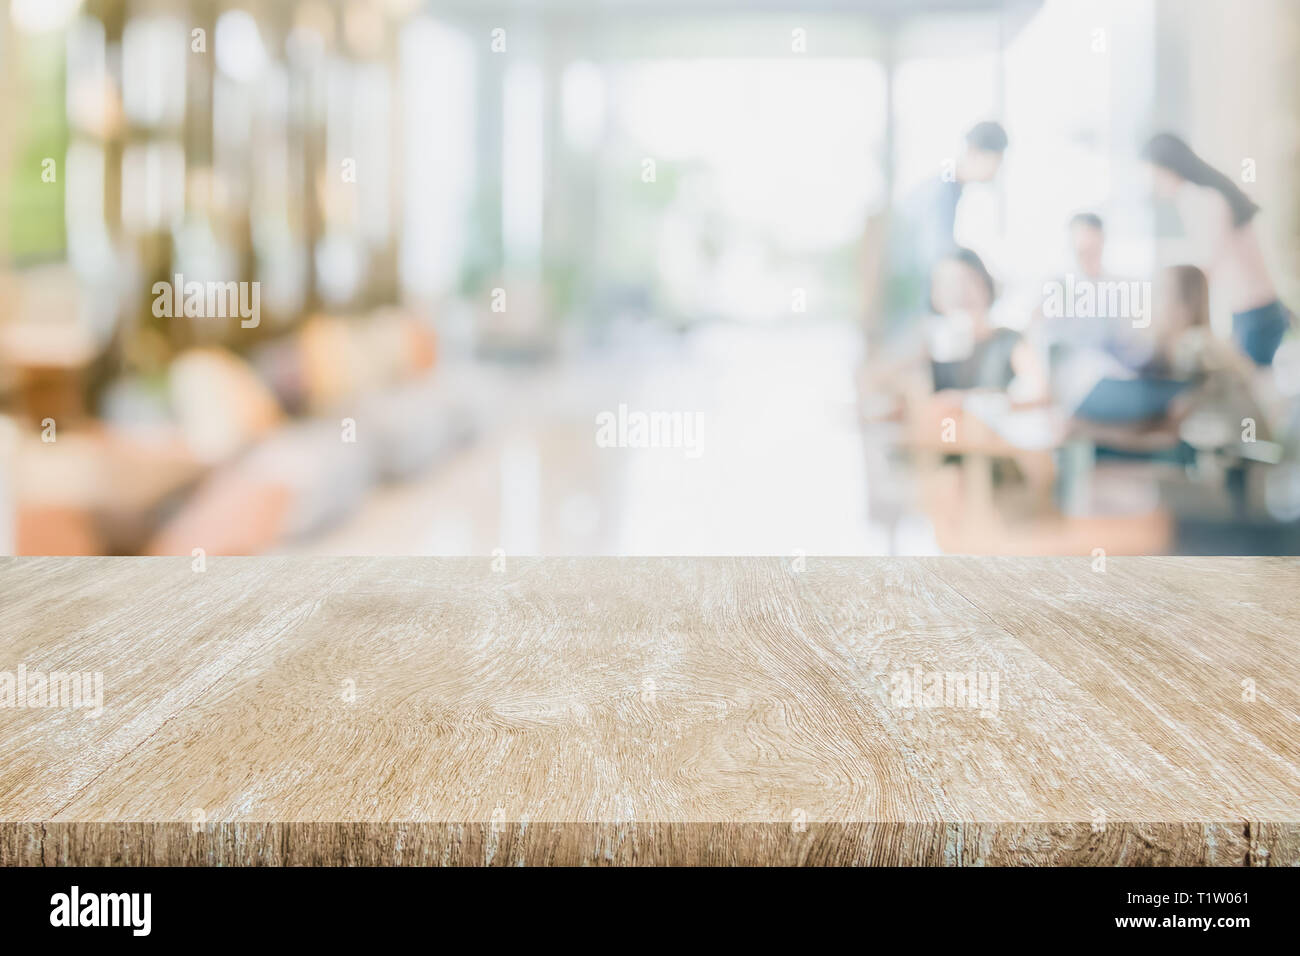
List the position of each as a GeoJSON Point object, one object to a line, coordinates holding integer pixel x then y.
{"type": "Point", "coordinates": [1259, 331]}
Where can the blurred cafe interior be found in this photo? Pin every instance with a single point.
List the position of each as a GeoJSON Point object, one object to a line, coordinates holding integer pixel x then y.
{"type": "Point", "coordinates": [443, 277]}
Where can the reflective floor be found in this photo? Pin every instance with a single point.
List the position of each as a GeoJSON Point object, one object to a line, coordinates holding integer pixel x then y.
{"type": "Point", "coordinates": [777, 466]}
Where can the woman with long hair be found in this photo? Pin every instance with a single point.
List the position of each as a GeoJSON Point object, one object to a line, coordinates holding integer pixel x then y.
{"type": "Point", "coordinates": [1217, 213]}
{"type": "Point", "coordinates": [1214, 381]}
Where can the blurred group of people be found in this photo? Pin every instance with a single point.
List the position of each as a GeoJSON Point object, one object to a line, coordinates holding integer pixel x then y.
{"type": "Point", "coordinates": [1127, 361]}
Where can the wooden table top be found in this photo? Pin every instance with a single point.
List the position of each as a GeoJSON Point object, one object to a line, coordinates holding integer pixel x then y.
{"type": "Point", "coordinates": [652, 710]}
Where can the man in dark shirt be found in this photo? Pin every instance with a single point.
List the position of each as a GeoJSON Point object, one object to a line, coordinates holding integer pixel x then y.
{"type": "Point", "coordinates": [922, 229]}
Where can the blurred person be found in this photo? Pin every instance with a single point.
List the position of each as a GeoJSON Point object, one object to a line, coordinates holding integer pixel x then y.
{"type": "Point", "coordinates": [1194, 385]}
{"type": "Point", "coordinates": [1182, 316]}
{"type": "Point", "coordinates": [1057, 333]}
{"type": "Point", "coordinates": [957, 349]}
{"type": "Point", "coordinates": [922, 231]}
{"type": "Point", "coordinates": [966, 351]}
{"type": "Point", "coordinates": [1088, 244]}
{"type": "Point", "coordinates": [1220, 217]}
{"type": "Point", "coordinates": [1186, 349]}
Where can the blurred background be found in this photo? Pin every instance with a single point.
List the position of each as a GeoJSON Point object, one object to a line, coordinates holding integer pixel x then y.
{"type": "Point", "coordinates": [584, 277]}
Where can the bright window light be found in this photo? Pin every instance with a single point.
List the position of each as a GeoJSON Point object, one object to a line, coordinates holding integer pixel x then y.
{"type": "Point", "coordinates": [239, 51]}
{"type": "Point", "coordinates": [42, 16]}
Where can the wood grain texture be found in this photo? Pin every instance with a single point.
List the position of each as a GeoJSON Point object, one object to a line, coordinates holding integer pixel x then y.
{"type": "Point", "coordinates": [650, 711]}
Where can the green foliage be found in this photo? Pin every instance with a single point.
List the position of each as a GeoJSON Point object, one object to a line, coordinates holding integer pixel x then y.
{"type": "Point", "coordinates": [36, 221]}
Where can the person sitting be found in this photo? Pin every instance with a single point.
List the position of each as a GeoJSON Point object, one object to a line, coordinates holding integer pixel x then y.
{"type": "Point", "coordinates": [1058, 330]}
{"type": "Point", "coordinates": [954, 351]}
{"type": "Point", "coordinates": [1191, 380]}
{"type": "Point", "coordinates": [966, 351]}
